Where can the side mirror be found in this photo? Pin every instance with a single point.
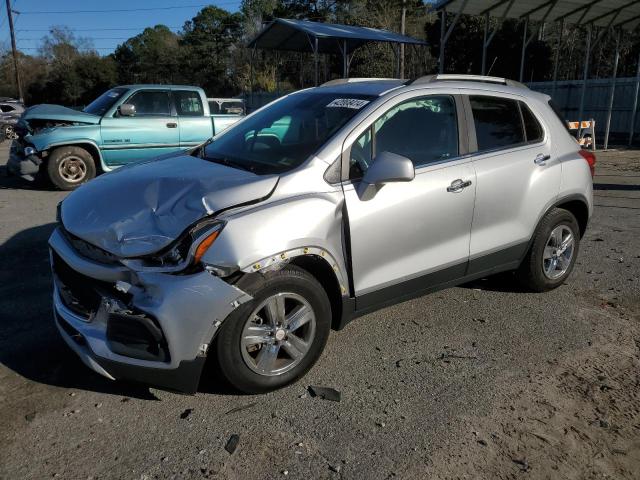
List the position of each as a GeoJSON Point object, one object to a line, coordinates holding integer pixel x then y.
{"type": "Point", "coordinates": [387, 167]}
{"type": "Point", "coordinates": [127, 110]}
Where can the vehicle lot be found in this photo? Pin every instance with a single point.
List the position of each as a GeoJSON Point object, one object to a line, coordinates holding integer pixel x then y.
{"type": "Point", "coordinates": [484, 380]}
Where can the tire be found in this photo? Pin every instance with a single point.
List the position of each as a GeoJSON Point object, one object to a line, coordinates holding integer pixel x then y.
{"type": "Point", "coordinates": [70, 167]}
{"type": "Point", "coordinates": [538, 272]}
{"type": "Point", "coordinates": [252, 367]}
{"type": "Point", "coordinates": [7, 132]}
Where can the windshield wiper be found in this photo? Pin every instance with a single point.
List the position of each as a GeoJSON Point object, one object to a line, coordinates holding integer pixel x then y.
{"type": "Point", "coordinates": [229, 163]}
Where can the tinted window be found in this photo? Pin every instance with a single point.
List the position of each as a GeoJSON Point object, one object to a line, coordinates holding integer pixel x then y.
{"type": "Point", "coordinates": [532, 127]}
{"type": "Point", "coordinates": [104, 102]}
{"type": "Point", "coordinates": [284, 135]}
{"type": "Point", "coordinates": [497, 121]}
{"type": "Point", "coordinates": [188, 103]}
{"type": "Point", "coordinates": [6, 108]}
{"type": "Point", "coordinates": [226, 107]}
{"type": "Point", "coordinates": [424, 130]}
{"type": "Point", "coordinates": [151, 102]}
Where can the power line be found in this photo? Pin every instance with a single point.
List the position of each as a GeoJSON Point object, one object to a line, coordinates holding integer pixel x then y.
{"type": "Point", "coordinates": [119, 10]}
{"type": "Point", "coordinates": [90, 29]}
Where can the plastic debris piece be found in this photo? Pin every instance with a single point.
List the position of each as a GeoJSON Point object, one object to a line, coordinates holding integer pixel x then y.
{"type": "Point", "coordinates": [325, 393]}
{"type": "Point", "coordinates": [232, 443]}
{"type": "Point", "coordinates": [186, 413]}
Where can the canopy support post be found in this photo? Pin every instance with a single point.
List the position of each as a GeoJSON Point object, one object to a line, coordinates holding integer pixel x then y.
{"type": "Point", "coordinates": [613, 89]}
{"type": "Point", "coordinates": [315, 58]}
{"type": "Point", "coordinates": [557, 58]}
{"type": "Point", "coordinates": [345, 60]}
{"type": "Point", "coordinates": [524, 46]}
{"type": "Point", "coordinates": [485, 44]}
{"type": "Point", "coordinates": [635, 104]}
{"type": "Point", "coordinates": [445, 36]}
{"type": "Point", "coordinates": [489, 38]}
{"type": "Point", "coordinates": [584, 80]}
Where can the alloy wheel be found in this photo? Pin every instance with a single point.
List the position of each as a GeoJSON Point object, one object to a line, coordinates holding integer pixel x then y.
{"type": "Point", "coordinates": [558, 252]}
{"type": "Point", "coordinates": [278, 334]}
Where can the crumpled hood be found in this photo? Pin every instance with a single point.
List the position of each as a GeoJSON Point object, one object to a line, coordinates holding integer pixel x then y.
{"type": "Point", "coordinates": [57, 112]}
{"type": "Point", "coordinates": [139, 210]}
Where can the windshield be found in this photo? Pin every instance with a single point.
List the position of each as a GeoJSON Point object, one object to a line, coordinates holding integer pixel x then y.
{"type": "Point", "coordinates": [104, 102]}
{"type": "Point", "coordinates": [281, 137]}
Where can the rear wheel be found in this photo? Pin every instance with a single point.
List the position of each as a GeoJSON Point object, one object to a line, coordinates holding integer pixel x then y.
{"type": "Point", "coordinates": [278, 336]}
{"type": "Point", "coordinates": [8, 133]}
{"type": "Point", "coordinates": [70, 167]}
{"type": "Point", "coordinates": [553, 252]}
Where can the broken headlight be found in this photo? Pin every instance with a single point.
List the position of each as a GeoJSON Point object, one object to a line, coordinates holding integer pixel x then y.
{"type": "Point", "coordinates": [184, 253]}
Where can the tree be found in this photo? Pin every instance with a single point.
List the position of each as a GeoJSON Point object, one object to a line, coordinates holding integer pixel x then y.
{"type": "Point", "coordinates": [208, 41]}
{"type": "Point", "coordinates": [153, 56]}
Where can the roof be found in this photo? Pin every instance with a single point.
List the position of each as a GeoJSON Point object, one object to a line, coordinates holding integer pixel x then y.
{"type": "Point", "coordinates": [377, 88]}
{"type": "Point", "coordinates": [601, 13]}
{"type": "Point", "coordinates": [296, 35]}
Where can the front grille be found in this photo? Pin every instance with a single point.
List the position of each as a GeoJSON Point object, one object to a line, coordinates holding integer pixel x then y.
{"type": "Point", "coordinates": [89, 251]}
{"type": "Point", "coordinates": [79, 293]}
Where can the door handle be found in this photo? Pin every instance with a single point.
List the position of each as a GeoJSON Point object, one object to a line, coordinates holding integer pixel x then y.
{"type": "Point", "coordinates": [172, 125]}
{"type": "Point", "coordinates": [458, 185]}
{"type": "Point", "coordinates": [541, 159]}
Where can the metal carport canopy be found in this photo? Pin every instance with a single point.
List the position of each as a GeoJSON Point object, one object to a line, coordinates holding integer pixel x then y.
{"type": "Point", "coordinates": [626, 13]}
{"type": "Point", "coordinates": [304, 36]}
{"type": "Point", "coordinates": [296, 35]}
{"type": "Point", "coordinates": [610, 15]}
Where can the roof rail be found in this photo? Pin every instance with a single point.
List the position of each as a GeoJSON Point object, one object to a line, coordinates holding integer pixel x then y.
{"type": "Point", "coordinates": [343, 81]}
{"type": "Point", "coordinates": [467, 78]}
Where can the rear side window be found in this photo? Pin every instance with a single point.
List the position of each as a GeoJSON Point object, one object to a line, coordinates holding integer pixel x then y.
{"type": "Point", "coordinates": [188, 103]}
{"type": "Point", "coordinates": [151, 102]}
{"type": "Point", "coordinates": [6, 108]}
{"type": "Point", "coordinates": [497, 122]}
{"type": "Point", "coordinates": [532, 127]}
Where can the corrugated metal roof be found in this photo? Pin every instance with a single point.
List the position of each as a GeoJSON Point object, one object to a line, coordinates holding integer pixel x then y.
{"type": "Point", "coordinates": [601, 13]}
{"type": "Point", "coordinates": [297, 35]}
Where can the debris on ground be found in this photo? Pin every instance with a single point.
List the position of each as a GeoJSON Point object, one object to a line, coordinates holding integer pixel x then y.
{"type": "Point", "coordinates": [186, 413]}
{"type": "Point", "coordinates": [241, 408]}
{"type": "Point", "coordinates": [326, 393]}
{"type": "Point", "coordinates": [232, 443]}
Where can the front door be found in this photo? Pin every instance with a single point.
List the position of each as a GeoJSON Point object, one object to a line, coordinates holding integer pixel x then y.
{"type": "Point", "coordinates": [151, 132]}
{"type": "Point", "coordinates": [411, 236]}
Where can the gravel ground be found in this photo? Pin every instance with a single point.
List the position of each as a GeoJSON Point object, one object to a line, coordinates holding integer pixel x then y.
{"type": "Point", "coordinates": [480, 381]}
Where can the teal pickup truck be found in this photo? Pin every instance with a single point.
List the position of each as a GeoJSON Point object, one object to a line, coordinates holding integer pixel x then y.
{"type": "Point", "coordinates": [126, 124]}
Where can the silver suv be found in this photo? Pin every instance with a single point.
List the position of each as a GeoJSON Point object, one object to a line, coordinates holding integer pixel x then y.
{"type": "Point", "coordinates": [326, 204]}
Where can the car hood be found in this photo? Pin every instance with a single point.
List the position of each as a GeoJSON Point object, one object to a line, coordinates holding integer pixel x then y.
{"type": "Point", "coordinates": [141, 209]}
{"type": "Point", "coordinates": [56, 112]}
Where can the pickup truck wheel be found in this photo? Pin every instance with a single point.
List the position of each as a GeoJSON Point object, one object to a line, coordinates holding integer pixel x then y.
{"type": "Point", "coordinates": [553, 252]}
{"type": "Point", "coordinates": [69, 167]}
{"type": "Point", "coordinates": [276, 338]}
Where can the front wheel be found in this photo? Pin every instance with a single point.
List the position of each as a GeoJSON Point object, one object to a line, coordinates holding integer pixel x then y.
{"type": "Point", "coordinates": [70, 167]}
{"type": "Point", "coordinates": [276, 338]}
{"type": "Point", "coordinates": [553, 252]}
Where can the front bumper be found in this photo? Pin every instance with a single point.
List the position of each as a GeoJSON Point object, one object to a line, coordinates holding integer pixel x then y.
{"type": "Point", "coordinates": [186, 309]}
{"type": "Point", "coordinates": [22, 166]}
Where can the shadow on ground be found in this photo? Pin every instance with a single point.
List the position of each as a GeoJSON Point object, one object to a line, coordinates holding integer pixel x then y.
{"type": "Point", "coordinates": [30, 344]}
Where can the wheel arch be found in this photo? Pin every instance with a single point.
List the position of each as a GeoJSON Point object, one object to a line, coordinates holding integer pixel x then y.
{"type": "Point", "coordinates": [90, 147]}
{"type": "Point", "coordinates": [579, 208]}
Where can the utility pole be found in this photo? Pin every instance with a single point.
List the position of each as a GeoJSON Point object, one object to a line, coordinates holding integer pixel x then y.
{"type": "Point", "coordinates": [15, 51]}
{"type": "Point", "coordinates": [404, 14]}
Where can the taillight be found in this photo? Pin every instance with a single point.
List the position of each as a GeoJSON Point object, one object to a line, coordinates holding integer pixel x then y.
{"type": "Point", "coordinates": [591, 160]}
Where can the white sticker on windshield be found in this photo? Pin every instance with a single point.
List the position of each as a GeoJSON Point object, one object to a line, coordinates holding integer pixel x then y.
{"type": "Point", "coordinates": [354, 103]}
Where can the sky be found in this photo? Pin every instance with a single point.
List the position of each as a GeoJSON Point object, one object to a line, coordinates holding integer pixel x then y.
{"type": "Point", "coordinates": [97, 20]}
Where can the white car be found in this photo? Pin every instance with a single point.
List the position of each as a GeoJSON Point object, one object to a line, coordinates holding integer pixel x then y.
{"type": "Point", "coordinates": [322, 206]}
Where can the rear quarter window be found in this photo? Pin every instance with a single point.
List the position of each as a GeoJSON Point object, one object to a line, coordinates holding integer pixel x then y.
{"type": "Point", "coordinates": [532, 127]}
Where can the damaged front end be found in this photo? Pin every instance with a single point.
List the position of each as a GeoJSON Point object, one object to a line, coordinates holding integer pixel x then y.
{"type": "Point", "coordinates": [144, 325]}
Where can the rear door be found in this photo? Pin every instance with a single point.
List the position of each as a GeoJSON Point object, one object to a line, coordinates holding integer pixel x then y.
{"type": "Point", "coordinates": [415, 235]}
{"type": "Point", "coordinates": [195, 126]}
{"type": "Point", "coordinates": [517, 178]}
{"type": "Point", "coordinates": [152, 131]}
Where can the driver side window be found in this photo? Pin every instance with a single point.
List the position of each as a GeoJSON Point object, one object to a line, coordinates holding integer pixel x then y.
{"type": "Point", "coordinates": [424, 129]}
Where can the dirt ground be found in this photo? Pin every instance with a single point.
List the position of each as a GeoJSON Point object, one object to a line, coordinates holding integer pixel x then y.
{"type": "Point", "coordinates": [483, 381]}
